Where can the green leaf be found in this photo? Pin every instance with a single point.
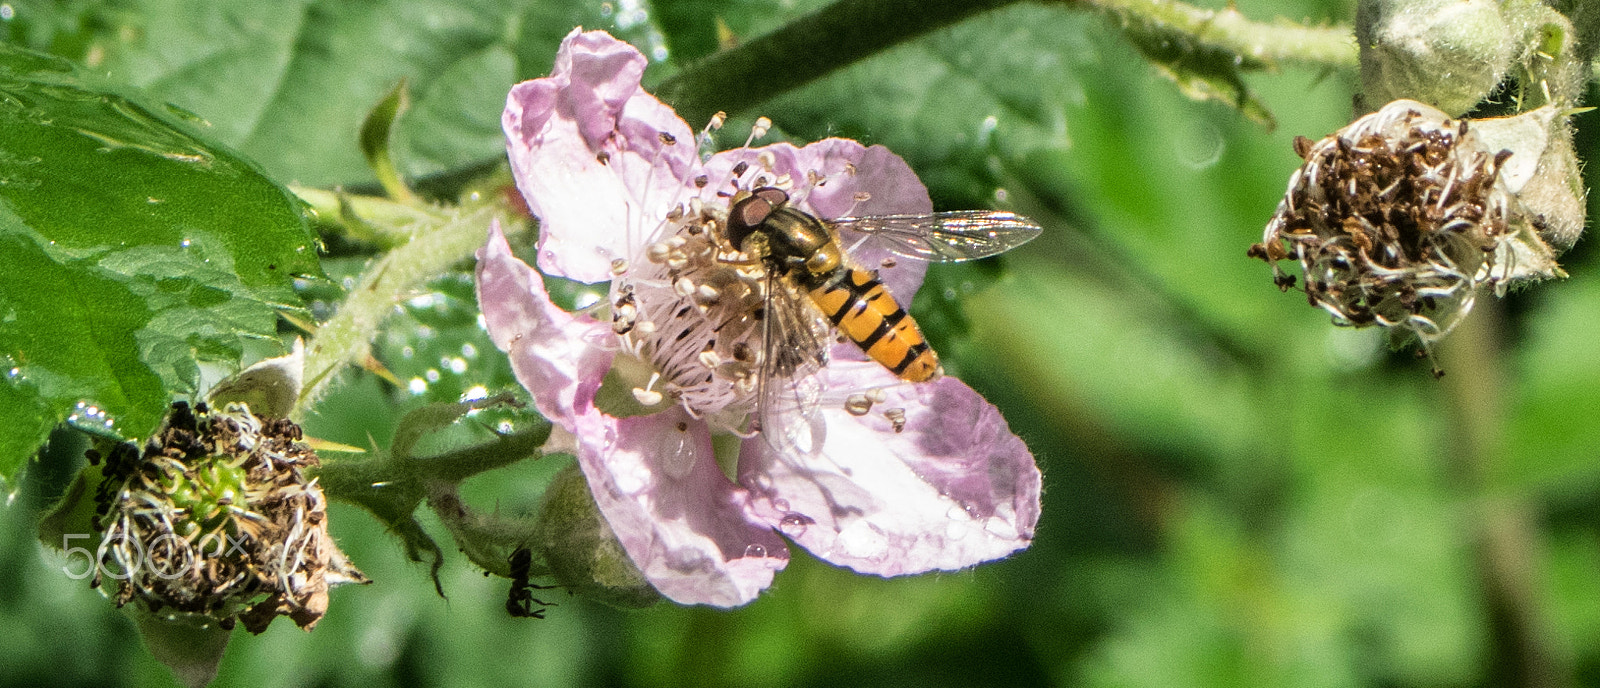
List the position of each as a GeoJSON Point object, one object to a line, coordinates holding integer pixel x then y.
{"type": "Point", "coordinates": [376, 132]}
{"type": "Point", "coordinates": [289, 82]}
{"type": "Point", "coordinates": [139, 254]}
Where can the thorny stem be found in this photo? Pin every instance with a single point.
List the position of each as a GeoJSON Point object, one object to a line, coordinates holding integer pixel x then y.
{"type": "Point", "coordinates": [358, 475]}
{"type": "Point", "coordinates": [410, 477]}
{"type": "Point", "coordinates": [847, 31]}
{"type": "Point", "coordinates": [1525, 651]}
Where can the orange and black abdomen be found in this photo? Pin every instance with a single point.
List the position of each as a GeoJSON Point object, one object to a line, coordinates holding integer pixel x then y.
{"type": "Point", "coordinates": [865, 312]}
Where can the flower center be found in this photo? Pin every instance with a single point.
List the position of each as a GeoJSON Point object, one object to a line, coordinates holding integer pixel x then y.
{"type": "Point", "coordinates": [691, 306]}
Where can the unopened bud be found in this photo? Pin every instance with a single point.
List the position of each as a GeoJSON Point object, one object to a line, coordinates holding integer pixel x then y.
{"type": "Point", "coordinates": [582, 551]}
{"type": "Point", "coordinates": [1448, 53]}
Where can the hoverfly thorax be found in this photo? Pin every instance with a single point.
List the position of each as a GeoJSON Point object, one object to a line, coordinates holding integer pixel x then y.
{"type": "Point", "coordinates": [785, 237]}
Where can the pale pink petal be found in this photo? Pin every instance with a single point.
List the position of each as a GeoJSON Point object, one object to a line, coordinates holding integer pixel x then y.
{"type": "Point", "coordinates": [845, 168]}
{"type": "Point", "coordinates": [553, 353]}
{"type": "Point", "coordinates": [686, 526]}
{"type": "Point", "coordinates": [599, 160]}
{"type": "Point", "coordinates": [953, 489]}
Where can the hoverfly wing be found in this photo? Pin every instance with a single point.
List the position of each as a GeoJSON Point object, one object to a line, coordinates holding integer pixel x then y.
{"type": "Point", "coordinates": [794, 351]}
{"type": "Point", "coordinates": [945, 237]}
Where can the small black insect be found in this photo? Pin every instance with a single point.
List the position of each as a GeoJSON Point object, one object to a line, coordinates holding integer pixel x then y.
{"type": "Point", "coordinates": [520, 601]}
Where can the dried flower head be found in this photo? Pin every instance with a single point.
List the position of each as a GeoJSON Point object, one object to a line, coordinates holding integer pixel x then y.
{"type": "Point", "coordinates": [215, 518]}
{"type": "Point", "coordinates": [1399, 218]}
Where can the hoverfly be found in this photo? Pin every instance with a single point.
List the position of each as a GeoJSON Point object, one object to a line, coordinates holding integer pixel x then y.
{"type": "Point", "coordinates": [813, 288]}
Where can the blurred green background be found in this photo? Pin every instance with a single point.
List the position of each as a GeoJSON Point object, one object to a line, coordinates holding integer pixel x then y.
{"type": "Point", "coordinates": [1236, 493]}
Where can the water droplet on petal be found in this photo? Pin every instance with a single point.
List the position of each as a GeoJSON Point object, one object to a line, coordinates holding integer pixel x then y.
{"type": "Point", "coordinates": [780, 504]}
{"type": "Point", "coordinates": [794, 525]}
{"type": "Point", "coordinates": [678, 455]}
{"type": "Point", "coordinates": [760, 481]}
{"type": "Point", "coordinates": [956, 530]}
{"type": "Point", "coordinates": [755, 551]}
{"type": "Point", "coordinates": [1000, 528]}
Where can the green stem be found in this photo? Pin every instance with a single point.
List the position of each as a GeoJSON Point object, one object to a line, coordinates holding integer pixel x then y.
{"type": "Point", "coordinates": [1525, 649]}
{"type": "Point", "coordinates": [357, 474]}
{"type": "Point", "coordinates": [1229, 31]}
{"type": "Point", "coordinates": [372, 219]}
{"type": "Point", "coordinates": [487, 539]}
{"type": "Point", "coordinates": [808, 48]}
{"type": "Point", "coordinates": [391, 487]}
{"type": "Point", "coordinates": [458, 465]}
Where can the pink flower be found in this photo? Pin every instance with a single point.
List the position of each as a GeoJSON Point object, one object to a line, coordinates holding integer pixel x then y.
{"type": "Point", "coordinates": [623, 195]}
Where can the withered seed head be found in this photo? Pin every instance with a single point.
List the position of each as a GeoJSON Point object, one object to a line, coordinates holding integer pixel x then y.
{"type": "Point", "coordinates": [215, 518]}
{"type": "Point", "coordinates": [1398, 219]}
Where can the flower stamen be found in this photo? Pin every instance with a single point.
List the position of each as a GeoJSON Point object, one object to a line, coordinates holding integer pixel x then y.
{"type": "Point", "coordinates": [646, 395]}
{"type": "Point", "coordinates": [760, 129]}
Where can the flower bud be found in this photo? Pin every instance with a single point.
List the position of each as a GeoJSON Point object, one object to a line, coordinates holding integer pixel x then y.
{"type": "Point", "coordinates": [1448, 53]}
{"type": "Point", "coordinates": [581, 550]}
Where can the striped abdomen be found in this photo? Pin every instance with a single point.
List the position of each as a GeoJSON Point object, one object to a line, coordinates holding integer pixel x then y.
{"type": "Point", "coordinates": [865, 312]}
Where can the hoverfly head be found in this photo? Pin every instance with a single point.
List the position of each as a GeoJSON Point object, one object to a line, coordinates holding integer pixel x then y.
{"type": "Point", "coordinates": [749, 215]}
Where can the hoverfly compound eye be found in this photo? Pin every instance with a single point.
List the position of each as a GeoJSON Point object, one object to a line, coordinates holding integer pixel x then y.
{"type": "Point", "coordinates": [749, 214]}
{"type": "Point", "coordinates": [774, 196]}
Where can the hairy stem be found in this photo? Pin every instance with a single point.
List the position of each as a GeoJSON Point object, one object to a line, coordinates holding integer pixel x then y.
{"type": "Point", "coordinates": [346, 338]}
{"type": "Point", "coordinates": [1229, 31]}
{"type": "Point", "coordinates": [487, 539]}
